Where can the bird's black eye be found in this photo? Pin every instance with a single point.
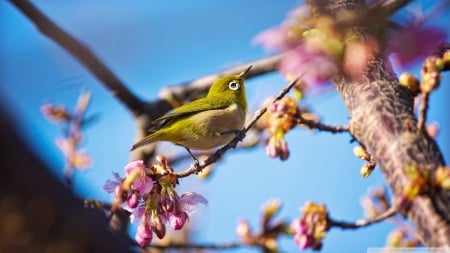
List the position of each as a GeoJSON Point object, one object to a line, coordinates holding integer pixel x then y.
{"type": "Point", "coordinates": [233, 85]}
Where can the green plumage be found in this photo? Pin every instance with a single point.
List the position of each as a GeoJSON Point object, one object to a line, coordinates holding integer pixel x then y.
{"type": "Point", "coordinates": [207, 122]}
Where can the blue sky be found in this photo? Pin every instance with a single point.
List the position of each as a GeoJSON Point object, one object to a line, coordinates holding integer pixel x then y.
{"type": "Point", "coordinates": [150, 44]}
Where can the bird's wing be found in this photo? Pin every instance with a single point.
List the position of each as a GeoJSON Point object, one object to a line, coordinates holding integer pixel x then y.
{"type": "Point", "coordinates": [199, 105]}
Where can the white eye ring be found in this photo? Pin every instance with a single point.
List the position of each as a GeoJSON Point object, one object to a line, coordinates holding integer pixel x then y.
{"type": "Point", "coordinates": [233, 85]}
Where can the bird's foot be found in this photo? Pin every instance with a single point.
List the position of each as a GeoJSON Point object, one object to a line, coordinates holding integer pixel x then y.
{"type": "Point", "coordinates": [239, 133]}
{"type": "Point", "coordinates": [196, 162]}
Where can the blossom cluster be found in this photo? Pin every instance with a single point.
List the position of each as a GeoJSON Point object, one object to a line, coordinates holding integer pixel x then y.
{"type": "Point", "coordinates": [71, 123]}
{"type": "Point", "coordinates": [306, 49]}
{"type": "Point", "coordinates": [279, 119]}
{"type": "Point", "coordinates": [319, 47]}
{"type": "Point", "coordinates": [148, 193]}
{"type": "Point", "coordinates": [311, 227]}
{"type": "Point", "coordinates": [269, 231]}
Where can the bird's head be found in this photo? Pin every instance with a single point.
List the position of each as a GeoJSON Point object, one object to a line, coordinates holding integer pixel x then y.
{"type": "Point", "coordinates": [230, 88]}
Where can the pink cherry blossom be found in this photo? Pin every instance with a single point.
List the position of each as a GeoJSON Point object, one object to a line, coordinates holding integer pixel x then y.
{"type": "Point", "coordinates": [111, 185]}
{"type": "Point", "coordinates": [188, 202]}
{"type": "Point", "coordinates": [316, 67]}
{"type": "Point", "coordinates": [414, 43]}
{"type": "Point", "coordinates": [142, 183]}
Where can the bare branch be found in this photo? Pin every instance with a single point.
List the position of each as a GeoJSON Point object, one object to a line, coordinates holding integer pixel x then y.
{"type": "Point", "coordinates": [389, 6]}
{"type": "Point", "coordinates": [311, 124]}
{"type": "Point", "coordinates": [221, 246]}
{"type": "Point", "coordinates": [196, 168]}
{"type": "Point", "coordinates": [184, 90]}
{"type": "Point", "coordinates": [82, 53]}
{"type": "Point", "coordinates": [363, 223]}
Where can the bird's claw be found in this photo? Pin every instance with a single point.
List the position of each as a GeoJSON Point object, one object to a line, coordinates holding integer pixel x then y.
{"type": "Point", "coordinates": [239, 133]}
{"type": "Point", "coordinates": [196, 163]}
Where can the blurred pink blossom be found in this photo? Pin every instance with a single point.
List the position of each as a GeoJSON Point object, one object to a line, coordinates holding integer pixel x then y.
{"type": "Point", "coordinates": [316, 68]}
{"type": "Point", "coordinates": [143, 235]}
{"type": "Point", "coordinates": [414, 43]}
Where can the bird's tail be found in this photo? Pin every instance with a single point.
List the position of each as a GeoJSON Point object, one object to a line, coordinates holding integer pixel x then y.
{"type": "Point", "coordinates": [146, 140]}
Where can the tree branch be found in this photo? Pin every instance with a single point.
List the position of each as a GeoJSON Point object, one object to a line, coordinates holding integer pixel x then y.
{"type": "Point", "coordinates": [423, 111]}
{"type": "Point", "coordinates": [363, 223]}
{"type": "Point", "coordinates": [82, 53]}
{"type": "Point", "coordinates": [197, 168]}
{"type": "Point", "coordinates": [383, 120]}
{"type": "Point", "coordinates": [311, 124]}
{"type": "Point", "coordinates": [184, 90]}
{"type": "Point", "coordinates": [221, 246]}
{"type": "Point", "coordinates": [388, 6]}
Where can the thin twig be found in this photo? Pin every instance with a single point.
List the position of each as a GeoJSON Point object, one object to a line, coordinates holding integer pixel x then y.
{"type": "Point", "coordinates": [197, 168]}
{"type": "Point", "coordinates": [311, 124]}
{"type": "Point", "coordinates": [82, 53]}
{"type": "Point", "coordinates": [363, 223]}
{"type": "Point", "coordinates": [423, 110]}
{"type": "Point", "coordinates": [388, 6]}
{"type": "Point", "coordinates": [182, 246]}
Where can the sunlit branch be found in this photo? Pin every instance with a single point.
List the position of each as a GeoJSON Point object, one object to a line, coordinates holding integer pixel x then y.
{"type": "Point", "coordinates": [425, 95]}
{"type": "Point", "coordinates": [197, 168]}
{"type": "Point", "coordinates": [363, 223]}
{"type": "Point", "coordinates": [389, 6]}
{"type": "Point", "coordinates": [82, 53]}
{"type": "Point", "coordinates": [184, 90]}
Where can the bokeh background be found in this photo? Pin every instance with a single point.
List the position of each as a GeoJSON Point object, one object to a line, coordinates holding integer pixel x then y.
{"type": "Point", "coordinates": [152, 44]}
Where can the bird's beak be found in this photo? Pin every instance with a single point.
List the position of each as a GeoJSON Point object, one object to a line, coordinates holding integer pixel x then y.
{"type": "Point", "coordinates": [244, 74]}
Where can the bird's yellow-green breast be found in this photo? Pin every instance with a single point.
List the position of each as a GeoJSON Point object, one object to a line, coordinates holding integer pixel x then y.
{"type": "Point", "coordinates": [207, 122]}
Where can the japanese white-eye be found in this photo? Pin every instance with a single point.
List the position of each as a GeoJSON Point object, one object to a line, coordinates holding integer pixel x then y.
{"type": "Point", "coordinates": [207, 122]}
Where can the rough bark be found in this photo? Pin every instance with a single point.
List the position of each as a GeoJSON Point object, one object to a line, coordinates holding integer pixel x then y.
{"type": "Point", "coordinates": [383, 120]}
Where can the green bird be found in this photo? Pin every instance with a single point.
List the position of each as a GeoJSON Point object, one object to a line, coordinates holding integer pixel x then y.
{"type": "Point", "coordinates": [205, 123]}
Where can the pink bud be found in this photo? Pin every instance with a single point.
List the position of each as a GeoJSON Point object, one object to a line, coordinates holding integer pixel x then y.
{"type": "Point", "coordinates": [158, 227]}
{"type": "Point", "coordinates": [166, 203]}
{"type": "Point", "coordinates": [177, 220]}
{"type": "Point", "coordinates": [133, 200]}
{"type": "Point", "coordinates": [143, 235]}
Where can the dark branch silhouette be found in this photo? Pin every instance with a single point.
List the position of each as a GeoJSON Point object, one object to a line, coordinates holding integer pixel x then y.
{"type": "Point", "coordinates": [37, 206]}
{"type": "Point", "coordinates": [82, 53]}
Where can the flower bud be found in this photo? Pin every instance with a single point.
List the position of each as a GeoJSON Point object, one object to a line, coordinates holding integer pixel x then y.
{"type": "Point", "coordinates": [270, 209]}
{"type": "Point", "coordinates": [133, 199]}
{"type": "Point", "coordinates": [158, 226]}
{"type": "Point", "coordinates": [442, 177]}
{"type": "Point", "coordinates": [446, 58]}
{"type": "Point", "coordinates": [143, 235]}
{"type": "Point", "coordinates": [361, 153]}
{"type": "Point", "coordinates": [177, 220]}
{"type": "Point", "coordinates": [409, 81]}
{"type": "Point", "coordinates": [430, 81]}
{"type": "Point", "coordinates": [243, 229]}
{"type": "Point", "coordinates": [366, 170]}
